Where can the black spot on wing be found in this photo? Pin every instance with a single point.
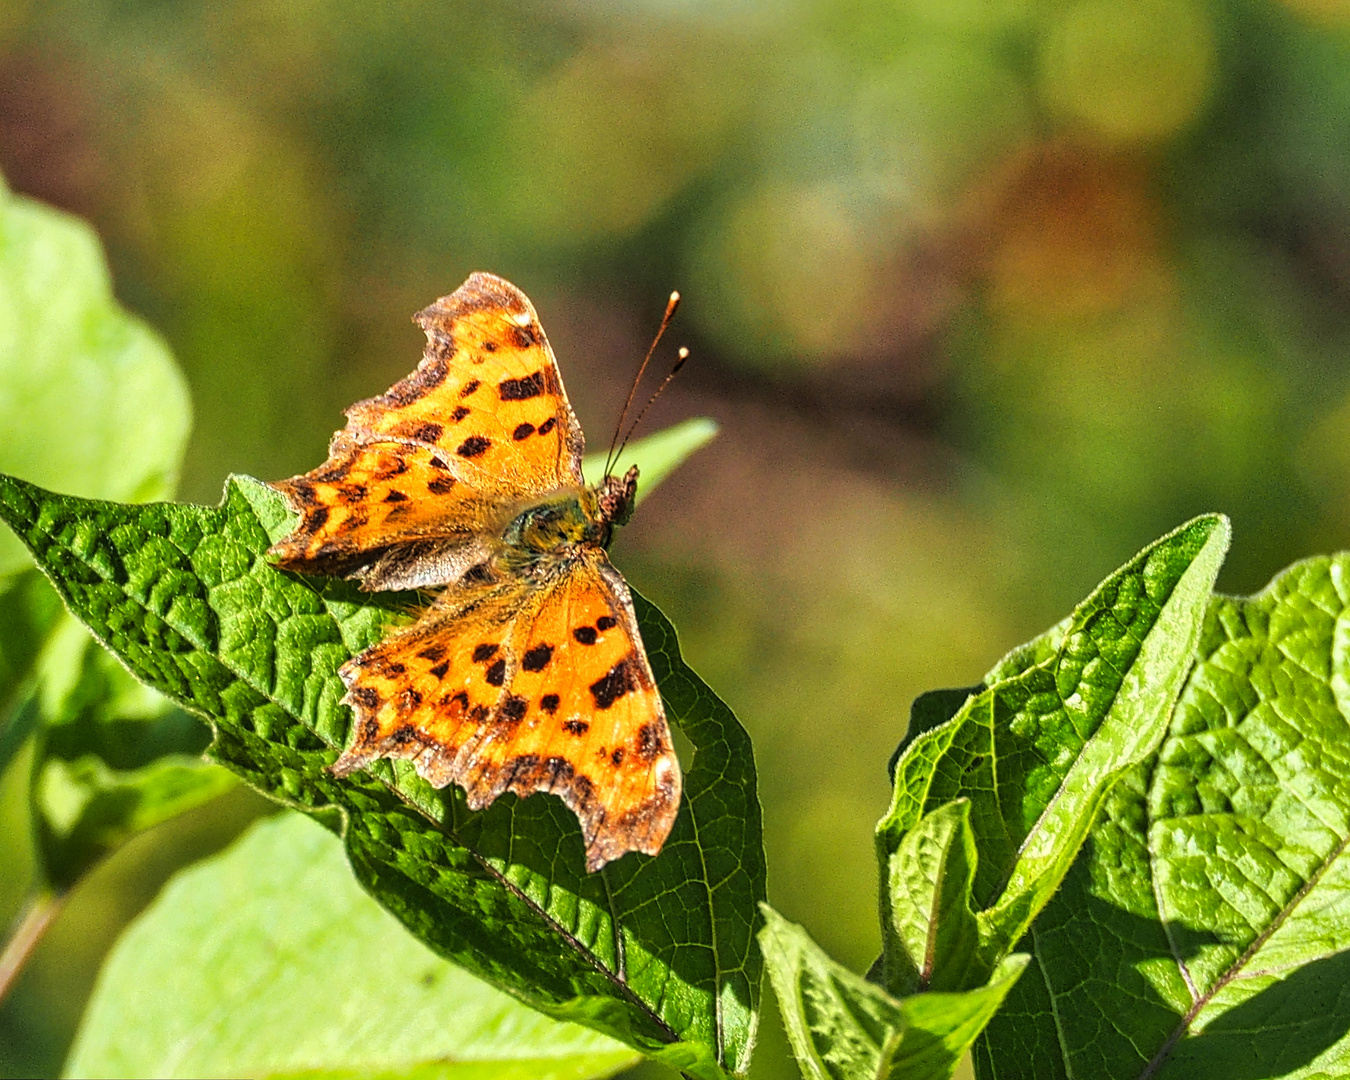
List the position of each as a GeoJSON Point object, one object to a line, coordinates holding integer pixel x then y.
{"type": "Point", "coordinates": [461, 411]}
{"type": "Point", "coordinates": [427, 432]}
{"type": "Point", "coordinates": [396, 467]}
{"type": "Point", "coordinates": [395, 496]}
{"type": "Point", "coordinates": [522, 389]}
{"type": "Point", "coordinates": [650, 745]}
{"type": "Point", "coordinates": [523, 431]}
{"type": "Point", "coordinates": [441, 485]}
{"type": "Point", "coordinates": [537, 658]}
{"type": "Point", "coordinates": [365, 696]}
{"type": "Point", "coordinates": [432, 653]}
{"type": "Point", "coordinates": [496, 673]}
{"type": "Point", "coordinates": [576, 727]}
{"type": "Point", "coordinates": [549, 703]}
{"type": "Point", "coordinates": [512, 710]}
{"type": "Point", "coordinates": [524, 337]}
{"type": "Point", "coordinates": [614, 684]}
{"type": "Point", "coordinates": [548, 425]}
{"type": "Point", "coordinates": [440, 669]}
{"type": "Point", "coordinates": [472, 447]}
{"type": "Point", "coordinates": [606, 622]}
{"type": "Point", "coordinates": [586, 635]}
{"type": "Point", "coordinates": [485, 651]}
{"type": "Point", "coordinates": [469, 388]}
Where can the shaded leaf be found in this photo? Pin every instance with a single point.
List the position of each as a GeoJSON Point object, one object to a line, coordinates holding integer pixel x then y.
{"type": "Point", "coordinates": [1036, 752]}
{"type": "Point", "coordinates": [1205, 929]}
{"type": "Point", "coordinates": [29, 609]}
{"type": "Point", "coordinates": [90, 400]}
{"type": "Point", "coordinates": [659, 952]}
{"type": "Point", "coordinates": [113, 757]}
{"type": "Point", "coordinates": [269, 960]}
{"type": "Point", "coordinates": [843, 1027]}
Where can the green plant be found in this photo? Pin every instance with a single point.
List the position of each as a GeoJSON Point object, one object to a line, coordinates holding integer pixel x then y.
{"type": "Point", "coordinates": [1119, 855]}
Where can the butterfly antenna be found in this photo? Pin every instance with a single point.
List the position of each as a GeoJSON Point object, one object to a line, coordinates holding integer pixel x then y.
{"type": "Point", "coordinates": [679, 363]}
{"type": "Point", "coordinates": [612, 456]}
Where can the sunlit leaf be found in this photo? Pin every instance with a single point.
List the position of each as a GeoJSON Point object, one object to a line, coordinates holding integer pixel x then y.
{"type": "Point", "coordinates": [1204, 930]}
{"type": "Point", "coordinates": [843, 1027]}
{"type": "Point", "coordinates": [269, 960]}
{"type": "Point", "coordinates": [1034, 754]}
{"type": "Point", "coordinates": [658, 952]}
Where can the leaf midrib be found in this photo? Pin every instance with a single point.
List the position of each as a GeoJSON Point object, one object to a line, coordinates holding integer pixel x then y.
{"type": "Point", "coordinates": [1235, 969]}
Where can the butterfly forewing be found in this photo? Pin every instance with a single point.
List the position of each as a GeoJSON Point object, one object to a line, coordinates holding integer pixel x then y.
{"type": "Point", "coordinates": [487, 394]}
{"type": "Point", "coordinates": [447, 453]}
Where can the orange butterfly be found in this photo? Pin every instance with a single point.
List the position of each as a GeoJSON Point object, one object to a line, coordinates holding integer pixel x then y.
{"type": "Point", "coordinates": [527, 672]}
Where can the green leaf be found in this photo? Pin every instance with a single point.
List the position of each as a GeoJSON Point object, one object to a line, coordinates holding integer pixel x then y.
{"type": "Point", "coordinates": [1036, 752]}
{"type": "Point", "coordinates": [29, 609]}
{"type": "Point", "coordinates": [90, 399]}
{"type": "Point", "coordinates": [269, 960]}
{"type": "Point", "coordinates": [932, 930]}
{"type": "Point", "coordinates": [843, 1027]}
{"type": "Point", "coordinates": [1205, 929]}
{"type": "Point", "coordinates": [113, 758]}
{"type": "Point", "coordinates": [658, 455]}
{"type": "Point", "coordinates": [658, 952]}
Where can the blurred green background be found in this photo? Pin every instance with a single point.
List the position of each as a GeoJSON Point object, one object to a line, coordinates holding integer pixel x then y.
{"type": "Point", "coordinates": [984, 293]}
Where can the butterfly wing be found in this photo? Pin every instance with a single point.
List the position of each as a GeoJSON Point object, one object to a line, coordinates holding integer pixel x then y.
{"type": "Point", "coordinates": [444, 455]}
{"type": "Point", "coordinates": [501, 693]}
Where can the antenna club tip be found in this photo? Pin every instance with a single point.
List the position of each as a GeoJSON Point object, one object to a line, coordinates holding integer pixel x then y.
{"type": "Point", "coordinates": [684, 353]}
{"type": "Point", "coordinates": [675, 296]}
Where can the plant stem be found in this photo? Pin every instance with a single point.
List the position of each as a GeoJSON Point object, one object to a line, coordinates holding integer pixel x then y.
{"type": "Point", "coordinates": [33, 922]}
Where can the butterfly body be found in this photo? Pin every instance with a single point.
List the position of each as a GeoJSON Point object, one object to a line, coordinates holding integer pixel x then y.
{"type": "Point", "coordinates": [527, 672]}
{"type": "Point", "coordinates": [544, 536]}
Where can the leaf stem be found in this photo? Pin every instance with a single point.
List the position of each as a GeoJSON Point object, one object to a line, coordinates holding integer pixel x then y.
{"type": "Point", "coordinates": [34, 921]}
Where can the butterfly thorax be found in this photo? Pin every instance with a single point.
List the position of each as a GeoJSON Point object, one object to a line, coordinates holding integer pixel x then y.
{"type": "Point", "coordinates": [545, 534]}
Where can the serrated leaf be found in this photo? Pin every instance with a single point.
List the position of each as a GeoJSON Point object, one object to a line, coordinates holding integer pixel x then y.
{"type": "Point", "coordinates": [113, 758]}
{"type": "Point", "coordinates": [90, 399]}
{"type": "Point", "coordinates": [658, 952]}
{"type": "Point", "coordinates": [269, 960]}
{"type": "Point", "coordinates": [1036, 752]}
{"type": "Point", "coordinates": [1204, 931]}
{"type": "Point", "coordinates": [843, 1027]}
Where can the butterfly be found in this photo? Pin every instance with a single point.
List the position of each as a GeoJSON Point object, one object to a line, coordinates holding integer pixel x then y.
{"type": "Point", "coordinates": [527, 672]}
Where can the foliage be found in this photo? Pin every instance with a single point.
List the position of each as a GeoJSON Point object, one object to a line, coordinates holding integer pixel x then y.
{"type": "Point", "coordinates": [1203, 930]}
{"type": "Point", "coordinates": [269, 960]}
{"type": "Point", "coordinates": [1120, 854]}
{"type": "Point", "coordinates": [93, 403]}
{"type": "Point", "coordinates": [657, 952]}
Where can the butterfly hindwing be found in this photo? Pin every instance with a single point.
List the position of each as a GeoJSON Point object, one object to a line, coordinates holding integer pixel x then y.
{"type": "Point", "coordinates": [547, 691]}
{"type": "Point", "coordinates": [367, 500]}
